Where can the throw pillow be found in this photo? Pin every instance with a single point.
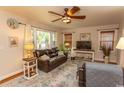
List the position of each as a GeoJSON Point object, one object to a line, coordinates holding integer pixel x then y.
{"type": "Point", "coordinates": [60, 53]}
{"type": "Point", "coordinates": [37, 54]}
{"type": "Point", "coordinates": [44, 58]}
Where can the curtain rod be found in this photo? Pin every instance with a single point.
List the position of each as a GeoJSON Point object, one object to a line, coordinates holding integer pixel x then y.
{"type": "Point", "coordinates": [35, 26]}
{"type": "Point", "coordinates": [42, 28]}
{"type": "Point", "coordinates": [107, 29]}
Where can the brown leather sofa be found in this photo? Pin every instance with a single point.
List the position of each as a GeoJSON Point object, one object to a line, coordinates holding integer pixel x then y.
{"type": "Point", "coordinates": [54, 61]}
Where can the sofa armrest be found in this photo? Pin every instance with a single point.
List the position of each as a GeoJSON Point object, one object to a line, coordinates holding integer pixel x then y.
{"type": "Point", "coordinates": [66, 54]}
{"type": "Point", "coordinates": [43, 65]}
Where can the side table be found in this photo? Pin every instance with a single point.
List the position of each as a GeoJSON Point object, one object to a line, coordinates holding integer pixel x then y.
{"type": "Point", "coordinates": [30, 67]}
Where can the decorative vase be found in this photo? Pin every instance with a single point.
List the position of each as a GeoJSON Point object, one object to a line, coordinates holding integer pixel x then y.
{"type": "Point", "coordinates": [106, 60]}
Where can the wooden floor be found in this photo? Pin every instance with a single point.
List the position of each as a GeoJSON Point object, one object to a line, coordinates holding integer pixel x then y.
{"type": "Point", "coordinates": [11, 77]}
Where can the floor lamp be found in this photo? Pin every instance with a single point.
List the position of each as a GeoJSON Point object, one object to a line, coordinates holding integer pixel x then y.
{"type": "Point", "coordinates": [120, 45]}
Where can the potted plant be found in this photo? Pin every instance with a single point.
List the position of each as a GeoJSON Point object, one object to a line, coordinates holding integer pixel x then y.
{"type": "Point", "coordinates": [106, 51]}
{"type": "Point", "coordinates": [62, 48]}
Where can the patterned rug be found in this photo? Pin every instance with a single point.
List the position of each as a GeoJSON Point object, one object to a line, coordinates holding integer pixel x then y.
{"type": "Point", "coordinates": [98, 75]}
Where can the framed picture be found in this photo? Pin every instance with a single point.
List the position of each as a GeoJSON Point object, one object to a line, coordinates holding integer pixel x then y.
{"type": "Point", "coordinates": [85, 36]}
{"type": "Point", "coordinates": [13, 41]}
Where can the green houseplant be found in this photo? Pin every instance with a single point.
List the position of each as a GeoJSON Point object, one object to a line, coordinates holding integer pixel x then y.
{"type": "Point", "coordinates": [62, 48]}
{"type": "Point", "coordinates": [106, 51]}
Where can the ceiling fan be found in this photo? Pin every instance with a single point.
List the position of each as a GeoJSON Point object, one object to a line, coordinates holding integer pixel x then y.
{"type": "Point", "coordinates": [68, 15]}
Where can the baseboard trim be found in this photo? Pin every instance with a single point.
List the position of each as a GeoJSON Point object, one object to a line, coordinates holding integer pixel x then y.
{"type": "Point", "coordinates": [10, 77]}
{"type": "Point", "coordinates": [11, 74]}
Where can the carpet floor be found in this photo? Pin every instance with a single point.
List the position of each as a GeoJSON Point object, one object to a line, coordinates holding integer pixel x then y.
{"type": "Point", "coordinates": [98, 75]}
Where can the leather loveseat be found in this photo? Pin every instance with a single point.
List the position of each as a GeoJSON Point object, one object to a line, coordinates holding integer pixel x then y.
{"type": "Point", "coordinates": [54, 61]}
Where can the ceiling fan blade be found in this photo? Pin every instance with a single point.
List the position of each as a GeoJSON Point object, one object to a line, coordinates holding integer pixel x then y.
{"type": "Point", "coordinates": [72, 11]}
{"type": "Point", "coordinates": [55, 13]}
{"type": "Point", "coordinates": [56, 19]}
{"type": "Point", "coordinates": [78, 17]}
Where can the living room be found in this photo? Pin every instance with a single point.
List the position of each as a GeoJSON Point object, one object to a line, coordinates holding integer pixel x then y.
{"type": "Point", "coordinates": [28, 32]}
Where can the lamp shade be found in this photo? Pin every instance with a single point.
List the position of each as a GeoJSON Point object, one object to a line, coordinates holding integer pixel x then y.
{"type": "Point", "coordinates": [67, 44]}
{"type": "Point", "coordinates": [120, 44]}
{"type": "Point", "coordinates": [29, 46]}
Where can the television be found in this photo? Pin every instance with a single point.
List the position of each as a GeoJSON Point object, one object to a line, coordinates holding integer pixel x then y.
{"type": "Point", "coordinates": [86, 45]}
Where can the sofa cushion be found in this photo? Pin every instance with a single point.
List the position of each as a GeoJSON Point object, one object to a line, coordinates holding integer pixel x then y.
{"type": "Point", "coordinates": [44, 57]}
{"type": "Point", "coordinates": [55, 49]}
{"type": "Point", "coordinates": [60, 53]}
{"type": "Point", "coordinates": [46, 52]}
{"type": "Point", "coordinates": [60, 56]}
{"type": "Point", "coordinates": [53, 55]}
{"type": "Point", "coordinates": [39, 53]}
{"type": "Point", "coordinates": [50, 52]}
{"type": "Point", "coordinates": [52, 59]}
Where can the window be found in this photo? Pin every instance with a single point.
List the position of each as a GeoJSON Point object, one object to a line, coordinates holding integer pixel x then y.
{"type": "Point", "coordinates": [45, 39]}
{"type": "Point", "coordinates": [107, 39]}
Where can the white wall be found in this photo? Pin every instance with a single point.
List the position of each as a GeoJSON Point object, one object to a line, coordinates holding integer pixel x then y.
{"type": "Point", "coordinates": [59, 38]}
{"type": "Point", "coordinates": [94, 39]}
{"type": "Point", "coordinates": [11, 57]}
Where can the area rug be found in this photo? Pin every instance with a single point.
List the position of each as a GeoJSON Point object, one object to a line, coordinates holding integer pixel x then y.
{"type": "Point", "coordinates": [98, 75]}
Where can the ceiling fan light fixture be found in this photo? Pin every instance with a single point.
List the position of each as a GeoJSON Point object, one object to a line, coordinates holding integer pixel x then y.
{"type": "Point", "coordinates": [66, 20]}
{"type": "Point", "coordinates": [68, 15]}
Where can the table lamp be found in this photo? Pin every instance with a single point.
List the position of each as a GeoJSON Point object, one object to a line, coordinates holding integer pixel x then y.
{"type": "Point", "coordinates": [120, 45]}
{"type": "Point", "coordinates": [29, 47]}
{"type": "Point", "coordinates": [67, 44]}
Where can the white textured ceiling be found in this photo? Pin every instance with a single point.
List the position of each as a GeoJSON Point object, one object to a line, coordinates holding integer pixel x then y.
{"type": "Point", "coordinates": [95, 15]}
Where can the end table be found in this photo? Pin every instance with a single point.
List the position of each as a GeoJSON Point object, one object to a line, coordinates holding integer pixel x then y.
{"type": "Point", "coordinates": [30, 67]}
